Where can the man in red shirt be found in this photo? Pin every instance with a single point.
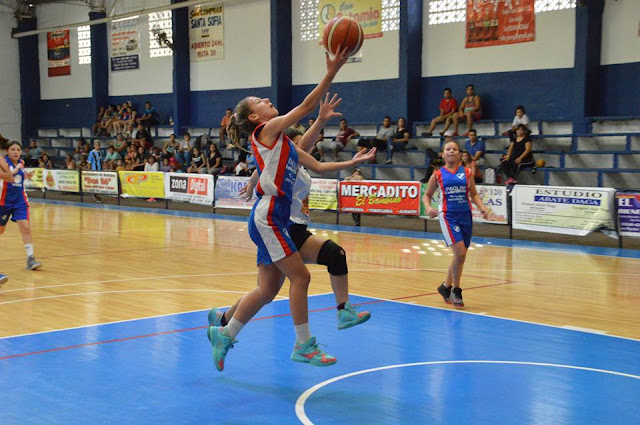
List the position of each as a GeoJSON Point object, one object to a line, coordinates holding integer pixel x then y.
{"type": "Point", "coordinates": [224, 123]}
{"type": "Point", "coordinates": [448, 107]}
{"type": "Point", "coordinates": [345, 134]}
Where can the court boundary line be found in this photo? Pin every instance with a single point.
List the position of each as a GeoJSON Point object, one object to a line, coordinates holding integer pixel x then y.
{"type": "Point", "coordinates": [302, 399]}
{"type": "Point", "coordinates": [410, 234]}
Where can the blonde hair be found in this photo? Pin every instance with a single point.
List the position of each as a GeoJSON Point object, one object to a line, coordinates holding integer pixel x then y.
{"type": "Point", "coordinates": [239, 123]}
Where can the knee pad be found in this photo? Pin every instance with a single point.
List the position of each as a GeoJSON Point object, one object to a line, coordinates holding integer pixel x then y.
{"type": "Point", "coordinates": [333, 256]}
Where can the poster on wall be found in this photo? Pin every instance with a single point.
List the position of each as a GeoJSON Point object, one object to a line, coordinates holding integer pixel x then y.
{"type": "Point", "coordinates": [103, 182]}
{"type": "Point", "coordinates": [629, 214]}
{"type": "Point", "coordinates": [368, 13]}
{"type": "Point", "coordinates": [228, 193]}
{"type": "Point", "coordinates": [497, 22]}
{"type": "Point", "coordinates": [379, 197]}
{"type": "Point", "coordinates": [61, 180]}
{"type": "Point", "coordinates": [59, 53]}
{"type": "Point", "coordinates": [193, 188]}
{"type": "Point", "coordinates": [323, 194]}
{"type": "Point", "coordinates": [125, 45]}
{"type": "Point", "coordinates": [206, 33]}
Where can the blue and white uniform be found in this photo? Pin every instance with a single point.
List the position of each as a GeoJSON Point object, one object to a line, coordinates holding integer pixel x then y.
{"type": "Point", "coordinates": [14, 203]}
{"type": "Point", "coordinates": [454, 210]}
{"type": "Point", "coordinates": [268, 224]}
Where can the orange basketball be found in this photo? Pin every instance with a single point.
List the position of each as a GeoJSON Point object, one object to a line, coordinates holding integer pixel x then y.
{"type": "Point", "coordinates": [343, 31]}
{"type": "Point", "coordinates": [541, 163]}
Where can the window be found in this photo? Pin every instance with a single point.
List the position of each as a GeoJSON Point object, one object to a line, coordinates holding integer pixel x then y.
{"type": "Point", "coordinates": [448, 11]}
{"type": "Point", "coordinates": [309, 18]}
{"type": "Point", "coordinates": [84, 45]}
{"type": "Point", "coordinates": [160, 28]}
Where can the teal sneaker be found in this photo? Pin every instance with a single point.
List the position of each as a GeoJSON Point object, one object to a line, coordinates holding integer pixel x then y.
{"type": "Point", "coordinates": [215, 317]}
{"type": "Point", "coordinates": [3, 278]}
{"type": "Point", "coordinates": [349, 316]}
{"type": "Point", "coordinates": [310, 353]}
{"type": "Point", "coordinates": [220, 343]}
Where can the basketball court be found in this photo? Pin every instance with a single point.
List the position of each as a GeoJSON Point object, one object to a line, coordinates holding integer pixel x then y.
{"type": "Point", "coordinates": [112, 329]}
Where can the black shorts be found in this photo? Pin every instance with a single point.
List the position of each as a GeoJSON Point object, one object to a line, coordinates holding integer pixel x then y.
{"type": "Point", "coordinates": [299, 234]}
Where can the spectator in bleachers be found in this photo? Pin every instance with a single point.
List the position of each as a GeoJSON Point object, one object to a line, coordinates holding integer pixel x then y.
{"type": "Point", "coordinates": [45, 162]}
{"type": "Point", "coordinates": [98, 123]}
{"type": "Point", "coordinates": [166, 166]}
{"type": "Point", "coordinates": [33, 154]}
{"type": "Point", "coordinates": [183, 155]}
{"type": "Point", "coordinates": [298, 127]}
{"type": "Point", "coordinates": [111, 158]}
{"type": "Point", "coordinates": [520, 118]}
{"type": "Point", "coordinates": [120, 166]}
{"type": "Point", "coordinates": [475, 147]}
{"type": "Point", "coordinates": [356, 176]}
{"type": "Point", "coordinates": [400, 139]}
{"type": "Point", "coordinates": [381, 140]}
{"type": "Point", "coordinates": [120, 144]}
{"type": "Point", "coordinates": [198, 162]}
{"type": "Point", "coordinates": [470, 163]}
{"type": "Point", "coordinates": [142, 138]}
{"type": "Point", "coordinates": [125, 118]}
{"type": "Point", "coordinates": [139, 159]}
{"type": "Point", "coordinates": [128, 163]}
{"type": "Point", "coordinates": [435, 160]}
{"type": "Point", "coordinates": [470, 110]}
{"type": "Point", "coordinates": [84, 164]}
{"type": "Point", "coordinates": [314, 152]}
{"type": "Point", "coordinates": [108, 119]}
{"type": "Point", "coordinates": [224, 123]}
{"type": "Point", "coordinates": [242, 167]}
{"type": "Point", "coordinates": [150, 117]}
{"type": "Point", "coordinates": [151, 165]}
{"type": "Point", "coordinates": [128, 135]}
{"type": "Point", "coordinates": [175, 165]}
{"type": "Point", "coordinates": [69, 163]}
{"type": "Point", "coordinates": [171, 146]}
{"type": "Point", "coordinates": [345, 134]}
{"type": "Point", "coordinates": [214, 163]}
{"type": "Point", "coordinates": [448, 107]}
{"type": "Point", "coordinates": [518, 155]}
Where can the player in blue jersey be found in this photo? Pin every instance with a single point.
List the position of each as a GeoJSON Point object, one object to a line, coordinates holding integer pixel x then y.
{"type": "Point", "coordinates": [14, 204]}
{"type": "Point", "coordinates": [5, 176]}
{"type": "Point", "coordinates": [458, 190]}
{"type": "Point", "coordinates": [276, 160]}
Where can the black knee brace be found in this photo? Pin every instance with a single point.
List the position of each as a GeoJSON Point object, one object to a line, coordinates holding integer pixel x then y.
{"type": "Point", "coordinates": [333, 256]}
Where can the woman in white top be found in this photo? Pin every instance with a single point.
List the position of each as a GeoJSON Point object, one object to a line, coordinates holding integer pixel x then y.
{"type": "Point", "coordinates": [520, 118]}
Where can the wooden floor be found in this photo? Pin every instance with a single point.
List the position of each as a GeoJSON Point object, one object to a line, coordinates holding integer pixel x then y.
{"type": "Point", "coordinates": [104, 266]}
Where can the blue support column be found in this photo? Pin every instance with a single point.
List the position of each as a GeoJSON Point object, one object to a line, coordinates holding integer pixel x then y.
{"type": "Point", "coordinates": [586, 94]}
{"type": "Point", "coordinates": [29, 79]}
{"type": "Point", "coordinates": [99, 62]}
{"type": "Point", "coordinates": [181, 69]}
{"type": "Point", "coordinates": [410, 72]}
{"type": "Point", "coordinates": [281, 35]}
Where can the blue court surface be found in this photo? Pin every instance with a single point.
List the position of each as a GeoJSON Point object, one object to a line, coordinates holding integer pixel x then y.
{"type": "Point", "coordinates": [408, 365]}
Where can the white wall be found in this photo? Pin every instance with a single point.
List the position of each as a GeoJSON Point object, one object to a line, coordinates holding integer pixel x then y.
{"type": "Point", "coordinates": [621, 32]}
{"type": "Point", "coordinates": [155, 75]}
{"type": "Point", "coordinates": [247, 50]}
{"type": "Point", "coordinates": [380, 60]}
{"type": "Point", "coordinates": [10, 115]}
{"type": "Point", "coordinates": [78, 84]}
{"type": "Point", "coordinates": [444, 52]}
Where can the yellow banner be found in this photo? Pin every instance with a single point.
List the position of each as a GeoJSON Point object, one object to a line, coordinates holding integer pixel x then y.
{"type": "Point", "coordinates": [367, 12]}
{"type": "Point", "coordinates": [35, 181]}
{"type": "Point", "coordinates": [142, 184]}
{"type": "Point", "coordinates": [323, 194]}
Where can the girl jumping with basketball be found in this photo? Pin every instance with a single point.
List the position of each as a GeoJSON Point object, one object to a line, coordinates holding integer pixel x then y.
{"type": "Point", "coordinates": [14, 204]}
{"type": "Point", "coordinates": [458, 190]}
{"type": "Point", "coordinates": [277, 163]}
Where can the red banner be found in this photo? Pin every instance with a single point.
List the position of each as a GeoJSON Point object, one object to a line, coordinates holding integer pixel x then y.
{"type": "Point", "coordinates": [58, 53]}
{"type": "Point", "coordinates": [380, 197]}
{"type": "Point", "coordinates": [496, 22]}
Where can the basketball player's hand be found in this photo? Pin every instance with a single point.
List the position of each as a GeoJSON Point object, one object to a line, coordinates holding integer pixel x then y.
{"type": "Point", "coordinates": [518, 161]}
{"type": "Point", "coordinates": [364, 156]}
{"type": "Point", "coordinates": [485, 214]}
{"type": "Point", "coordinates": [432, 212]}
{"type": "Point", "coordinates": [246, 193]}
{"type": "Point", "coordinates": [18, 167]}
{"type": "Point", "coordinates": [334, 65]}
{"type": "Point", "coordinates": [327, 108]}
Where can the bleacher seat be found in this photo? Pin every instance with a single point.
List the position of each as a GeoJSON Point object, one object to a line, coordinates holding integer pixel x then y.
{"type": "Point", "coordinates": [614, 124]}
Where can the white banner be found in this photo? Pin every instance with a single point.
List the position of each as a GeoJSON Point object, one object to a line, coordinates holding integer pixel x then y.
{"type": "Point", "coordinates": [103, 182]}
{"type": "Point", "coordinates": [61, 180]}
{"type": "Point", "coordinates": [494, 199]}
{"type": "Point", "coordinates": [193, 188]}
{"type": "Point", "coordinates": [566, 210]}
{"type": "Point", "coordinates": [36, 180]}
{"type": "Point", "coordinates": [125, 45]}
{"type": "Point", "coordinates": [323, 194]}
{"type": "Point", "coordinates": [228, 193]}
{"type": "Point", "coordinates": [206, 33]}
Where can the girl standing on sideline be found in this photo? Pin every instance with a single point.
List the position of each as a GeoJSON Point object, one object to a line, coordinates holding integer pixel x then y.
{"type": "Point", "coordinates": [312, 248]}
{"type": "Point", "coordinates": [14, 204]}
{"type": "Point", "coordinates": [458, 190]}
{"type": "Point", "coordinates": [276, 160]}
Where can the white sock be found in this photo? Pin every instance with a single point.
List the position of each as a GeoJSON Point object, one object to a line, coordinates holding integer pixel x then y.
{"type": "Point", "coordinates": [29, 248]}
{"type": "Point", "coordinates": [234, 327]}
{"type": "Point", "coordinates": [303, 334]}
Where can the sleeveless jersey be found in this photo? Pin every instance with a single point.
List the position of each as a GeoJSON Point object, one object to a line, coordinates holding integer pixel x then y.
{"type": "Point", "coordinates": [277, 166]}
{"type": "Point", "coordinates": [454, 188]}
{"type": "Point", "coordinates": [13, 194]}
{"type": "Point", "coordinates": [300, 203]}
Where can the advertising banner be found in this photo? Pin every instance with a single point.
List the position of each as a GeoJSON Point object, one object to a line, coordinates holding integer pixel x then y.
{"type": "Point", "coordinates": [228, 193]}
{"type": "Point", "coordinates": [125, 45]}
{"type": "Point", "coordinates": [193, 188]}
{"type": "Point", "coordinates": [379, 197]}
{"type": "Point", "coordinates": [206, 33]}
{"type": "Point", "coordinates": [61, 180]}
{"type": "Point", "coordinates": [58, 53]}
{"type": "Point", "coordinates": [368, 13]}
{"type": "Point", "coordinates": [324, 194]}
{"type": "Point", "coordinates": [142, 184]}
{"type": "Point", "coordinates": [103, 182]}
{"type": "Point", "coordinates": [629, 214]}
{"type": "Point", "coordinates": [33, 178]}
{"type": "Point", "coordinates": [497, 22]}
{"type": "Point", "coordinates": [566, 210]}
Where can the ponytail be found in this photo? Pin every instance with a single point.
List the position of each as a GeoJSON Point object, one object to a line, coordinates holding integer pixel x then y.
{"type": "Point", "coordinates": [3, 143]}
{"type": "Point", "coordinates": [239, 124]}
